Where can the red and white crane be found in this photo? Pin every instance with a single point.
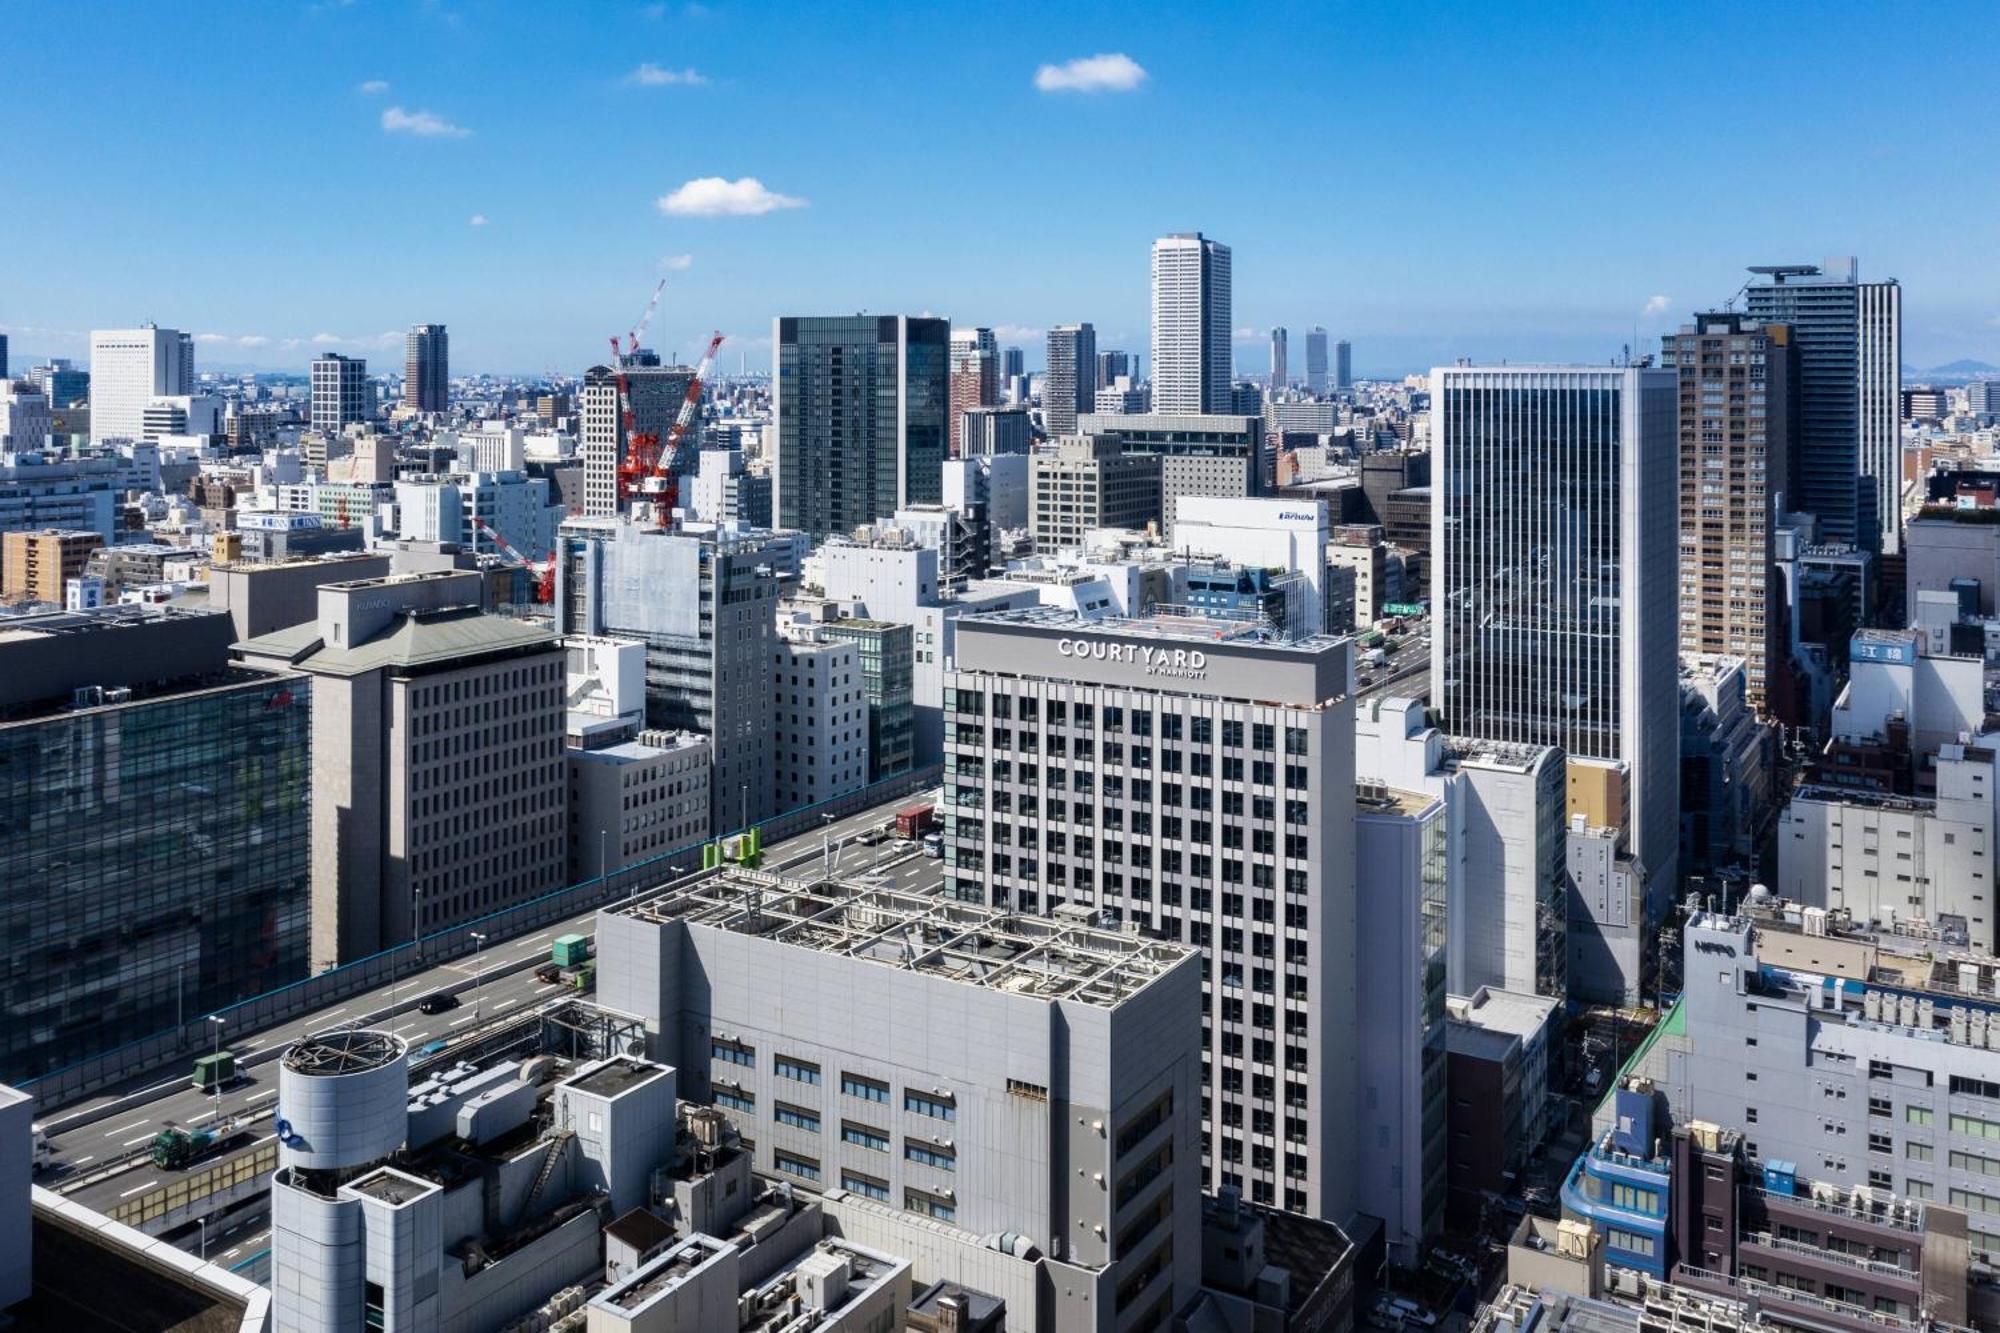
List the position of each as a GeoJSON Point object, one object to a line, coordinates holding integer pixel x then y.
{"type": "Point", "coordinates": [544, 569]}
{"type": "Point", "coordinates": [662, 484]}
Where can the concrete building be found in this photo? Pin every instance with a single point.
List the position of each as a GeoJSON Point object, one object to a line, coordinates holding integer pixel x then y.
{"type": "Point", "coordinates": [39, 492]}
{"type": "Point", "coordinates": [1288, 535]}
{"type": "Point", "coordinates": [1728, 759]}
{"type": "Point", "coordinates": [1343, 365]}
{"type": "Point", "coordinates": [1498, 1047]}
{"type": "Point", "coordinates": [341, 393]}
{"type": "Point", "coordinates": [975, 379]}
{"type": "Point", "coordinates": [1316, 360]}
{"type": "Point", "coordinates": [1206, 799]}
{"type": "Point", "coordinates": [129, 368]}
{"type": "Point", "coordinates": [861, 416]}
{"type": "Point", "coordinates": [477, 511]}
{"type": "Point", "coordinates": [884, 656]}
{"type": "Point", "coordinates": [1069, 386]}
{"type": "Point", "coordinates": [1738, 423]}
{"type": "Point", "coordinates": [26, 419]}
{"type": "Point", "coordinates": [37, 566]}
{"type": "Point", "coordinates": [994, 430]}
{"type": "Point", "coordinates": [1554, 570]}
{"type": "Point", "coordinates": [634, 799]}
{"type": "Point", "coordinates": [819, 716]}
{"type": "Point", "coordinates": [427, 368]}
{"type": "Point", "coordinates": [723, 491]}
{"type": "Point", "coordinates": [1358, 548]}
{"type": "Point", "coordinates": [1211, 455]}
{"type": "Point", "coordinates": [261, 598]}
{"type": "Point", "coordinates": [1049, 1102]}
{"type": "Point", "coordinates": [1088, 482]}
{"type": "Point", "coordinates": [653, 394]}
{"type": "Point", "coordinates": [133, 902]}
{"type": "Point", "coordinates": [1850, 360]}
{"type": "Point", "coordinates": [1281, 375]}
{"type": "Point", "coordinates": [1193, 356]}
{"type": "Point", "coordinates": [1942, 546]}
{"type": "Point", "coordinates": [1610, 939]}
{"type": "Point", "coordinates": [438, 778]}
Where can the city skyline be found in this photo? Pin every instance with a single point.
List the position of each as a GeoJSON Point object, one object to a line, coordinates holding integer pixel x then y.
{"type": "Point", "coordinates": [1510, 225]}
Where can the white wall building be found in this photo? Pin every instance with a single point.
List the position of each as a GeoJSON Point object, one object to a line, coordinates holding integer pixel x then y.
{"type": "Point", "coordinates": [1275, 534]}
{"type": "Point", "coordinates": [129, 368]}
{"type": "Point", "coordinates": [819, 712]}
{"type": "Point", "coordinates": [1193, 357]}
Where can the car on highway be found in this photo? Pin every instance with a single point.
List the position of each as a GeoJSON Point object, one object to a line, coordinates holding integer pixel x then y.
{"type": "Point", "coordinates": [440, 1003]}
{"type": "Point", "coordinates": [548, 973]}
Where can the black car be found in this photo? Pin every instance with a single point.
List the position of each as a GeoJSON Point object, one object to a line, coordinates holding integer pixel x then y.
{"type": "Point", "coordinates": [439, 1003]}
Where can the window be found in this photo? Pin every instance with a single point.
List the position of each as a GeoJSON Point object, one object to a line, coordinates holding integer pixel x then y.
{"type": "Point", "coordinates": [930, 1205]}
{"type": "Point", "coordinates": [734, 1053]}
{"type": "Point", "coordinates": [798, 1117]}
{"type": "Point", "coordinates": [865, 1185]}
{"type": "Point", "coordinates": [735, 1099]}
{"type": "Point", "coordinates": [1634, 1199]}
{"type": "Point", "coordinates": [1974, 1127]}
{"type": "Point", "coordinates": [1632, 1242]}
{"type": "Point", "coordinates": [867, 1089]}
{"type": "Point", "coordinates": [941, 1107]}
{"type": "Point", "coordinates": [1917, 1115]}
{"type": "Point", "coordinates": [863, 1136]}
{"type": "Point", "coordinates": [1976, 1087]}
{"type": "Point", "coordinates": [1917, 1152]}
{"type": "Point", "coordinates": [792, 1164]}
{"type": "Point", "coordinates": [798, 1069]}
{"type": "Point", "coordinates": [944, 1159]}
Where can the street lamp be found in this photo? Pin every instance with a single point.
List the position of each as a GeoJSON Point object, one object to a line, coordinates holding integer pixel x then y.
{"type": "Point", "coordinates": [478, 971]}
{"type": "Point", "coordinates": [203, 1223]}
{"type": "Point", "coordinates": [220, 1022]}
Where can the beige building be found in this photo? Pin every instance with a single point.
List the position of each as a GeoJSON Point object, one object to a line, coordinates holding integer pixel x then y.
{"type": "Point", "coordinates": [1358, 547]}
{"type": "Point", "coordinates": [439, 786]}
{"type": "Point", "coordinates": [1090, 481]}
{"type": "Point", "coordinates": [636, 799]}
{"type": "Point", "coordinates": [37, 566]}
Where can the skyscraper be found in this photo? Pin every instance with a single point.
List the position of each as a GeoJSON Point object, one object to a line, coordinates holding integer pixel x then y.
{"type": "Point", "coordinates": [339, 391]}
{"type": "Point", "coordinates": [1736, 445]}
{"type": "Point", "coordinates": [1192, 360]}
{"type": "Point", "coordinates": [1110, 365]}
{"type": "Point", "coordinates": [654, 395]}
{"type": "Point", "coordinates": [129, 368]}
{"type": "Point", "coordinates": [1070, 388]}
{"type": "Point", "coordinates": [1850, 341]}
{"type": "Point", "coordinates": [859, 416]}
{"type": "Point", "coordinates": [3, 356]}
{"type": "Point", "coordinates": [427, 368]}
{"type": "Point", "coordinates": [1343, 365]}
{"type": "Point", "coordinates": [975, 375]}
{"type": "Point", "coordinates": [1553, 537]}
{"type": "Point", "coordinates": [1316, 360]}
{"type": "Point", "coordinates": [1281, 371]}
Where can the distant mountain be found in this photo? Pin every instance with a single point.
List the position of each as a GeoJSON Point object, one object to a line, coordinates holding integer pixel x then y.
{"type": "Point", "coordinates": [1965, 366]}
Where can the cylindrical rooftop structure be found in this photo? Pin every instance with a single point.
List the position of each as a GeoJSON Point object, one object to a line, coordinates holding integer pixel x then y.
{"type": "Point", "coordinates": [343, 1099]}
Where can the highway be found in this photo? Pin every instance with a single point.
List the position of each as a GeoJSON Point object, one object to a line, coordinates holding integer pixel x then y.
{"type": "Point", "coordinates": [1407, 672]}
{"type": "Point", "coordinates": [88, 1137]}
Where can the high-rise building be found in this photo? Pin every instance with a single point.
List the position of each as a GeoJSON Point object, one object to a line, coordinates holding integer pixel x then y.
{"type": "Point", "coordinates": [886, 658]}
{"type": "Point", "coordinates": [1206, 796]}
{"type": "Point", "coordinates": [818, 717]}
{"type": "Point", "coordinates": [438, 777]}
{"type": "Point", "coordinates": [1086, 482]}
{"type": "Point", "coordinates": [39, 492]}
{"type": "Point", "coordinates": [61, 381]}
{"type": "Point", "coordinates": [1736, 452]}
{"type": "Point", "coordinates": [1343, 365]}
{"type": "Point", "coordinates": [1281, 373]}
{"type": "Point", "coordinates": [3, 356]}
{"type": "Point", "coordinates": [1067, 388]}
{"type": "Point", "coordinates": [129, 368]}
{"type": "Point", "coordinates": [340, 392]}
{"type": "Point", "coordinates": [1013, 364]}
{"type": "Point", "coordinates": [861, 414]}
{"type": "Point", "coordinates": [995, 430]}
{"type": "Point", "coordinates": [1315, 360]}
{"type": "Point", "coordinates": [1110, 365]}
{"type": "Point", "coordinates": [26, 420]}
{"type": "Point", "coordinates": [975, 377]}
{"type": "Point", "coordinates": [1554, 549]}
{"type": "Point", "coordinates": [1850, 351]}
{"type": "Point", "coordinates": [1221, 455]}
{"type": "Point", "coordinates": [1193, 363]}
{"type": "Point", "coordinates": [135, 900]}
{"type": "Point", "coordinates": [427, 368]}
{"type": "Point", "coordinates": [654, 394]}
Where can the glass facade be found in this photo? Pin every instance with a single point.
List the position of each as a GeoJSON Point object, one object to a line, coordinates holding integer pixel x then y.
{"type": "Point", "coordinates": [889, 681]}
{"type": "Point", "coordinates": [154, 864]}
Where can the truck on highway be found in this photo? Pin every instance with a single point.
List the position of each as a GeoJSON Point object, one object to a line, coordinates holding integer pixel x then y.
{"type": "Point", "coordinates": [1376, 657]}
{"type": "Point", "coordinates": [45, 1152]}
{"type": "Point", "coordinates": [570, 951]}
{"type": "Point", "coordinates": [913, 821]}
{"type": "Point", "coordinates": [214, 1071]}
{"type": "Point", "coordinates": [174, 1147]}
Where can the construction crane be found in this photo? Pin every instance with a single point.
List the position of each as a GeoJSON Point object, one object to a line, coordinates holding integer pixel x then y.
{"type": "Point", "coordinates": [662, 486]}
{"type": "Point", "coordinates": [544, 569]}
{"type": "Point", "coordinates": [636, 461]}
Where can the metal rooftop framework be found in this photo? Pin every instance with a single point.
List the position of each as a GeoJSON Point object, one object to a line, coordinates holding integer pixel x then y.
{"type": "Point", "coordinates": [344, 1051]}
{"type": "Point", "coordinates": [1042, 958]}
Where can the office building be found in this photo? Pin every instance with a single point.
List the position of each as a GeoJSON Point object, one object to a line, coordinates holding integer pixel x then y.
{"type": "Point", "coordinates": [1850, 340]}
{"type": "Point", "coordinates": [724, 490]}
{"type": "Point", "coordinates": [1358, 549]}
{"type": "Point", "coordinates": [1728, 758]}
{"type": "Point", "coordinates": [187, 414]}
{"type": "Point", "coordinates": [884, 657]}
{"type": "Point", "coordinates": [1122, 397]}
{"type": "Point", "coordinates": [1943, 547]}
{"type": "Point", "coordinates": [1286, 535]}
{"type": "Point", "coordinates": [135, 901]}
{"type": "Point", "coordinates": [1554, 549]}
{"type": "Point", "coordinates": [341, 394]}
{"type": "Point", "coordinates": [1343, 365]}
{"type": "Point", "coordinates": [26, 420]}
{"type": "Point", "coordinates": [1199, 455]}
{"type": "Point", "coordinates": [1196, 782]}
{"type": "Point", "coordinates": [1280, 354]}
{"type": "Point", "coordinates": [635, 798]}
{"type": "Point", "coordinates": [60, 381]}
{"type": "Point", "coordinates": [1112, 366]}
{"type": "Point", "coordinates": [39, 492]}
{"type": "Point", "coordinates": [975, 378]}
{"type": "Point", "coordinates": [1068, 390]}
{"type": "Point", "coordinates": [995, 430]}
{"type": "Point", "coordinates": [861, 409]}
{"type": "Point", "coordinates": [704, 605]}
{"type": "Point", "coordinates": [437, 759]}
{"type": "Point", "coordinates": [1316, 360]}
{"type": "Point", "coordinates": [4, 373]}
{"type": "Point", "coordinates": [1193, 358]}
{"type": "Point", "coordinates": [37, 566]}
{"type": "Point", "coordinates": [129, 368]}
{"type": "Point", "coordinates": [478, 511]}
{"type": "Point", "coordinates": [819, 718]}
{"type": "Point", "coordinates": [1087, 482]}
{"type": "Point", "coordinates": [1737, 400]}
{"type": "Point", "coordinates": [427, 368]}
{"type": "Point", "coordinates": [653, 394]}
{"type": "Point", "coordinates": [1498, 1045]}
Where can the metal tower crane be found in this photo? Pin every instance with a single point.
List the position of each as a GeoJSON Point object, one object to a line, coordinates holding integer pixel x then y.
{"type": "Point", "coordinates": [640, 449]}
{"type": "Point", "coordinates": [544, 569]}
{"type": "Point", "coordinates": [662, 486]}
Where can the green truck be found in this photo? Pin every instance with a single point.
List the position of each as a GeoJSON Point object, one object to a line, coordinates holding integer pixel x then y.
{"type": "Point", "coordinates": [215, 1071]}
{"type": "Point", "coordinates": [570, 951]}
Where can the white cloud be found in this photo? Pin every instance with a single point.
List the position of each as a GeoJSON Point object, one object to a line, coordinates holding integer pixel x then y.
{"type": "Point", "coordinates": [1016, 332]}
{"type": "Point", "coordinates": [373, 88]}
{"type": "Point", "coordinates": [252, 340]}
{"type": "Point", "coordinates": [423, 124]}
{"type": "Point", "coordinates": [1246, 331]}
{"type": "Point", "coordinates": [1657, 305]}
{"type": "Point", "coordinates": [327, 339]}
{"type": "Point", "coordinates": [677, 263]}
{"type": "Point", "coordinates": [212, 338]}
{"type": "Point", "coordinates": [1112, 72]}
{"type": "Point", "coordinates": [478, 220]}
{"type": "Point", "coordinates": [650, 75]}
{"type": "Point", "coordinates": [714, 197]}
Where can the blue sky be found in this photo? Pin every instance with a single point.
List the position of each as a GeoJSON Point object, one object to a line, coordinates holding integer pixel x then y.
{"type": "Point", "coordinates": [1430, 181]}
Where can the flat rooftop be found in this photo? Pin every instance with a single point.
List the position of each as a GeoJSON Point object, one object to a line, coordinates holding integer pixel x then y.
{"type": "Point", "coordinates": [1187, 626]}
{"type": "Point", "coordinates": [616, 1076]}
{"type": "Point", "coordinates": [1042, 958]}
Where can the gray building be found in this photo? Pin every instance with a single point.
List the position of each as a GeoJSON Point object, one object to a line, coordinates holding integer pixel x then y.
{"type": "Point", "coordinates": [1944, 546]}
{"type": "Point", "coordinates": [1068, 385]}
{"type": "Point", "coordinates": [654, 395]}
{"type": "Point", "coordinates": [427, 368]}
{"type": "Point", "coordinates": [341, 394]}
{"type": "Point", "coordinates": [995, 430]}
{"type": "Point", "coordinates": [1086, 482]}
{"type": "Point", "coordinates": [1850, 340]}
{"type": "Point", "coordinates": [1555, 550]}
{"type": "Point", "coordinates": [1343, 365]}
{"type": "Point", "coordinates": [154, 832]}
{"type": "Point", "coordinates": [1281, 374]}
{"type": "Point", "coordinates": [1220, 455]}
{"type": "Point", "coordinates": [887, 676]}
{"type": "Point", "coordinates": [264, 597]}
{"type": "Point", "coordinates": [1111, 365]}
{"type": "Point", "coordinates": [1193, 355]}
{"type": "Point", "coordinates": [437, 759]}
{"type": "Point", "coordinates": [1195, 783]}
{"type": "Point", "coordinates": [1316, 360]}
{"type": "Point", "coordinates": [860, 406]}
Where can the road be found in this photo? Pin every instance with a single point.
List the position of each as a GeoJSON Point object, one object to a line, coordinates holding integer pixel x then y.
{"type": "Point", "coordinates": [1406, 674]}
{"type": "Point", "coordinates": [497, 981]}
